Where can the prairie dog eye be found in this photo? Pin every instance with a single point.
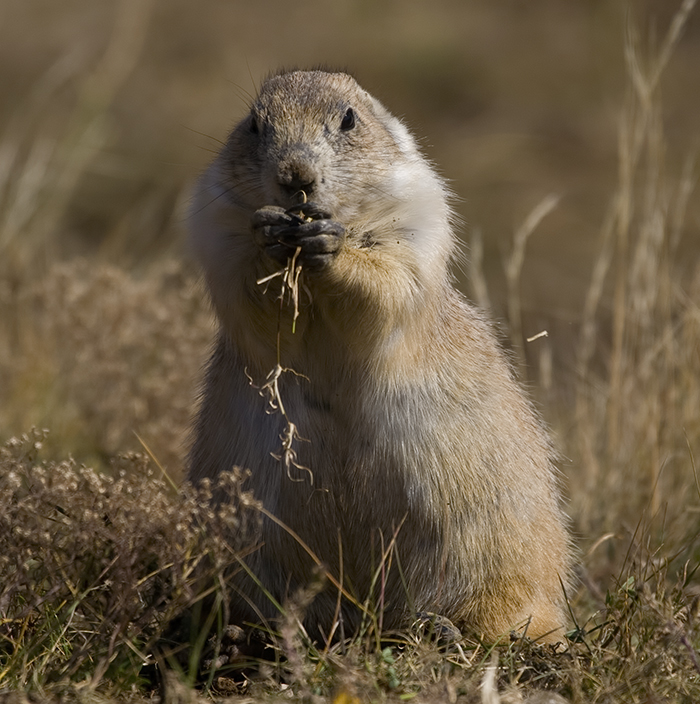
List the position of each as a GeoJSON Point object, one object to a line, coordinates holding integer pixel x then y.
{"type": "Point", "coordinates": [253, 126]}
{"type": "Point", "coordinates": [348, 120]}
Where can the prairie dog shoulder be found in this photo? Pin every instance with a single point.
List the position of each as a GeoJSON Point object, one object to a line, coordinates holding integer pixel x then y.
{"type": "Point", "coordinates": [416, 429]}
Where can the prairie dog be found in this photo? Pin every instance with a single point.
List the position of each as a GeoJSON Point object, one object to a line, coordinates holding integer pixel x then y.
{"type": "Point", "coordinates": [412, 426]}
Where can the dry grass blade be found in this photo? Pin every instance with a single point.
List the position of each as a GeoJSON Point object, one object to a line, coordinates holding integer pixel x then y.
{"type": "Point", "coordinates": [632, 405]}
{"type": "Point", "coordinates": [289, 293]}
{"type": "Point", "coordinates": [514, 266]}
{"type": "Point", "coordinates": [476, 274]}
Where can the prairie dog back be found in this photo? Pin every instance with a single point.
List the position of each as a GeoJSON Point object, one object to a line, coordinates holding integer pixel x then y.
{"type": "Point", "coordinates": [423, 450]}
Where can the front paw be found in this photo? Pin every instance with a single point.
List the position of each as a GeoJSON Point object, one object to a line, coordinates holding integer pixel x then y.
{"type": "Point", "coordinates": [306, 228]}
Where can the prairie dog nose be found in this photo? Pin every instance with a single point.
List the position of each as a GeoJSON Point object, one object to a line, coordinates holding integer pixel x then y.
{"type": "Point", "coordinates": [296, 171]}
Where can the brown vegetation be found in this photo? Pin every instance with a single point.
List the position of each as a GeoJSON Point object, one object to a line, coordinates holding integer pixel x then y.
{"type": "Point", "coordinates": [94, 564]}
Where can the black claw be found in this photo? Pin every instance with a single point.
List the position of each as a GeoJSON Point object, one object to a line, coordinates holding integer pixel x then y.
{"type": "Point", "coordinates": [310, 210]}
{"type": "Point", "coordinates": [273, 216]}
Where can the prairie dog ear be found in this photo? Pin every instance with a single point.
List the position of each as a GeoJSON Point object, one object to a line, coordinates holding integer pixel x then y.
{"type": "Point", "coordinates": [399, 132]}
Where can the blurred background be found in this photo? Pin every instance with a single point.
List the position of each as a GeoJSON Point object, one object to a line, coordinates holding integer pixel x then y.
{"type": "Point", "coordinates": [512, 100]}
{"type": "Point", "coordinates": [109, 109]}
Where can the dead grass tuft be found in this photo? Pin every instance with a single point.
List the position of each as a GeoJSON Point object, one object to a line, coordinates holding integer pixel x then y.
{"type": "Point", "coordinates": [94, 568]}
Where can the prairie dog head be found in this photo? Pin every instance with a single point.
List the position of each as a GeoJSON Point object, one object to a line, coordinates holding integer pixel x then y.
{"type": "Point", "coordinates": [322, 134]}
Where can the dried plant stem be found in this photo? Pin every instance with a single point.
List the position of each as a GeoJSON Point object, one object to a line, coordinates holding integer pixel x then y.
{"type": "Point", "coordinates": [476, 269]}
{"type": "Point", "coordinates": [513, 270]}
{"type": "Point", "coordinates": [337, 584]}
{"type": "Point", "coordinates": [628, 414]}
{"type": "Point", "coordinates": [291, 281]}
{"type": "Point", "coordinates": [641, 134]}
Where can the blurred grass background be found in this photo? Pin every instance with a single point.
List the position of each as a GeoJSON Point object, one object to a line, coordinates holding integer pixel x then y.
{"type": "Point", "coordinates": [512, 100]}
{"type": "Point", "coordinates": [110, 108]}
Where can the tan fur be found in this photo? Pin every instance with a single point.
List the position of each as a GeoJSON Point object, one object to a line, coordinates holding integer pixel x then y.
{"type": "Point", "coordinates": [409, 410]}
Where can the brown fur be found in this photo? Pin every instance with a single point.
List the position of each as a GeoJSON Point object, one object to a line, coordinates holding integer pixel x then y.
{"type": "Point", "coordinates": [412, 422]}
